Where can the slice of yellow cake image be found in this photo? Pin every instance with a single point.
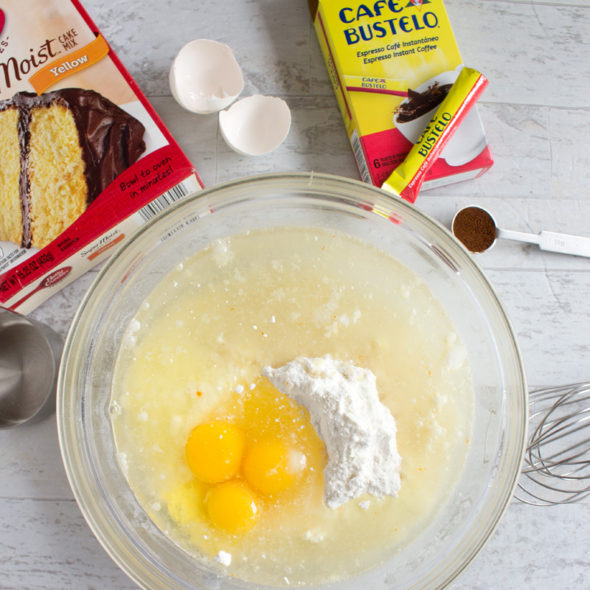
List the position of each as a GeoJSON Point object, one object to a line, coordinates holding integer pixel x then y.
{"type": "Point", "coordinates": [11, 226]}
{"type": "Point", "coordinates": [58, 152]}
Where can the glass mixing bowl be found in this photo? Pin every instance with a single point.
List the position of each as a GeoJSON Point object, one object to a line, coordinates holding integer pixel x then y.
{"type": "Point", "coordinates": [491, 469]}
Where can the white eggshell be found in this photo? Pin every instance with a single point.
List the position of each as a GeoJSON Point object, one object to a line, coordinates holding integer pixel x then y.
{"type": "Point", "coordinates": [255, 125]}
{"type": "Point", "coordinates": [205, 76]}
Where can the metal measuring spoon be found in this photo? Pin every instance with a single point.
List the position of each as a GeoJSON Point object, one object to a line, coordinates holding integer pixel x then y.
{"type": "Point", "coordinates": [29, 358]}
{"type": "Point", "coordinates": [476, 229]}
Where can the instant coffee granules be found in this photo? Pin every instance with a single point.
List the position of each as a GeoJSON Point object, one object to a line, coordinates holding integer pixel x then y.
{"type": "Point", "coordinates": [475, 228]}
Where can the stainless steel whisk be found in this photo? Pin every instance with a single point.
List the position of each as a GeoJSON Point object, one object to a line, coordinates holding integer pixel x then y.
{"type": "Point", "coordinates": [556, 468]}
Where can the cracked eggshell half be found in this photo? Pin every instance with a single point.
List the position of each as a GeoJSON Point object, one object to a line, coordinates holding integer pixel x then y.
{"type": "Point", "coordinates": [255, 125]}
{"type": "Point", "coordinates": [205, 76]}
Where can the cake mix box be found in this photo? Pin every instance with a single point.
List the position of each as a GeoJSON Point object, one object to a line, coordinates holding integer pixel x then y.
{"type": "Point", "coordinates": [391, 64]}
{"type": "Point", "coordinates": [84, 158]}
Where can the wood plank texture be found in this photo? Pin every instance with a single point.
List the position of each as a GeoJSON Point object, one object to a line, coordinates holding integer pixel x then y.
{"type": "Point", "coordinates": [536, 112]}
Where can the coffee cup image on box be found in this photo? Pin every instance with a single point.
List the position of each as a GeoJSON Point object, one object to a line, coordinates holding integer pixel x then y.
{"type": "Point", "coordinates": [415, 112]}
{"type": "Point", "coordinates": [58, 152]}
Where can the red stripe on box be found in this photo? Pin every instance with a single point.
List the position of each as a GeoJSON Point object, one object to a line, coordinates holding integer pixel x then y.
{"type": "Point", "coordinates": [133, 84]}
{"type": "Point", "coordinates": [112, 206]}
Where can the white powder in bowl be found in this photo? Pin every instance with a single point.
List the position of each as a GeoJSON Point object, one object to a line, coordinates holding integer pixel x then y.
{"type": "Point", "coordinates": [357, 429]}
{"type": "Point", "coordinates": [224, 558]}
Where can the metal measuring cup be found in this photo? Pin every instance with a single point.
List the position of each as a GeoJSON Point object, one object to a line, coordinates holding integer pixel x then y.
{"type": "Point", "coordinates": [29, 359]}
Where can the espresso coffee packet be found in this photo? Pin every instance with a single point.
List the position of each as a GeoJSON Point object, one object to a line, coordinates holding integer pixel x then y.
{"type": "Point", "coordinates": [406, 180]}
{"type": "Point", "coordinates": [85, 159]}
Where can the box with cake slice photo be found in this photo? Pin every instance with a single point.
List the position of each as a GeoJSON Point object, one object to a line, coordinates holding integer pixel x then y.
{"type": "Point", "coordinates": [84, 158]}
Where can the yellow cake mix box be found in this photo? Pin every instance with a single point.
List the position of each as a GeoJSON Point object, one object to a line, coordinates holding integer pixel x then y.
{"type": "Point", "coordinates": [84, 158]}
{"type": "Point", "coordinates": [391, 64]}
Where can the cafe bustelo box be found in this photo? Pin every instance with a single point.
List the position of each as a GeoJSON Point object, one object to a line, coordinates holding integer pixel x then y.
{"type": "Point", "coordinates": [391, 64]}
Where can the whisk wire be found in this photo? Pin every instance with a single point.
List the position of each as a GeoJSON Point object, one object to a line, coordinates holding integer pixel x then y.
{"type": "Point", "coordinates": [556, 467]}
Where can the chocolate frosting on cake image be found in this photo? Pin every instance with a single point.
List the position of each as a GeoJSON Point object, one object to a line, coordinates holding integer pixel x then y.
{"type": "Point", "coordinates": [58, 152]}
{"type": "Point", "coordinates": [419, 103]}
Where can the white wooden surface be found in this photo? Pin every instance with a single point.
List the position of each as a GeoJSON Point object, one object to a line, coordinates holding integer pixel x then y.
{"type": "Point", "coordinates": [536, 111]}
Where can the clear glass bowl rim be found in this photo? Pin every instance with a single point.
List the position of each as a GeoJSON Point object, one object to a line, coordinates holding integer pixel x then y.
{"type": "Point", "coordinates": [341, 189]}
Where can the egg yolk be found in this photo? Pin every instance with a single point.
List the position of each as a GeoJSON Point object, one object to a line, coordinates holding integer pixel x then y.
{"type": "Point", "coordinates": [232, 507]}
{"type": "Point", "coordinates": [214, 451]}
{"type": "Point", "coordinates": [268, 467]}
